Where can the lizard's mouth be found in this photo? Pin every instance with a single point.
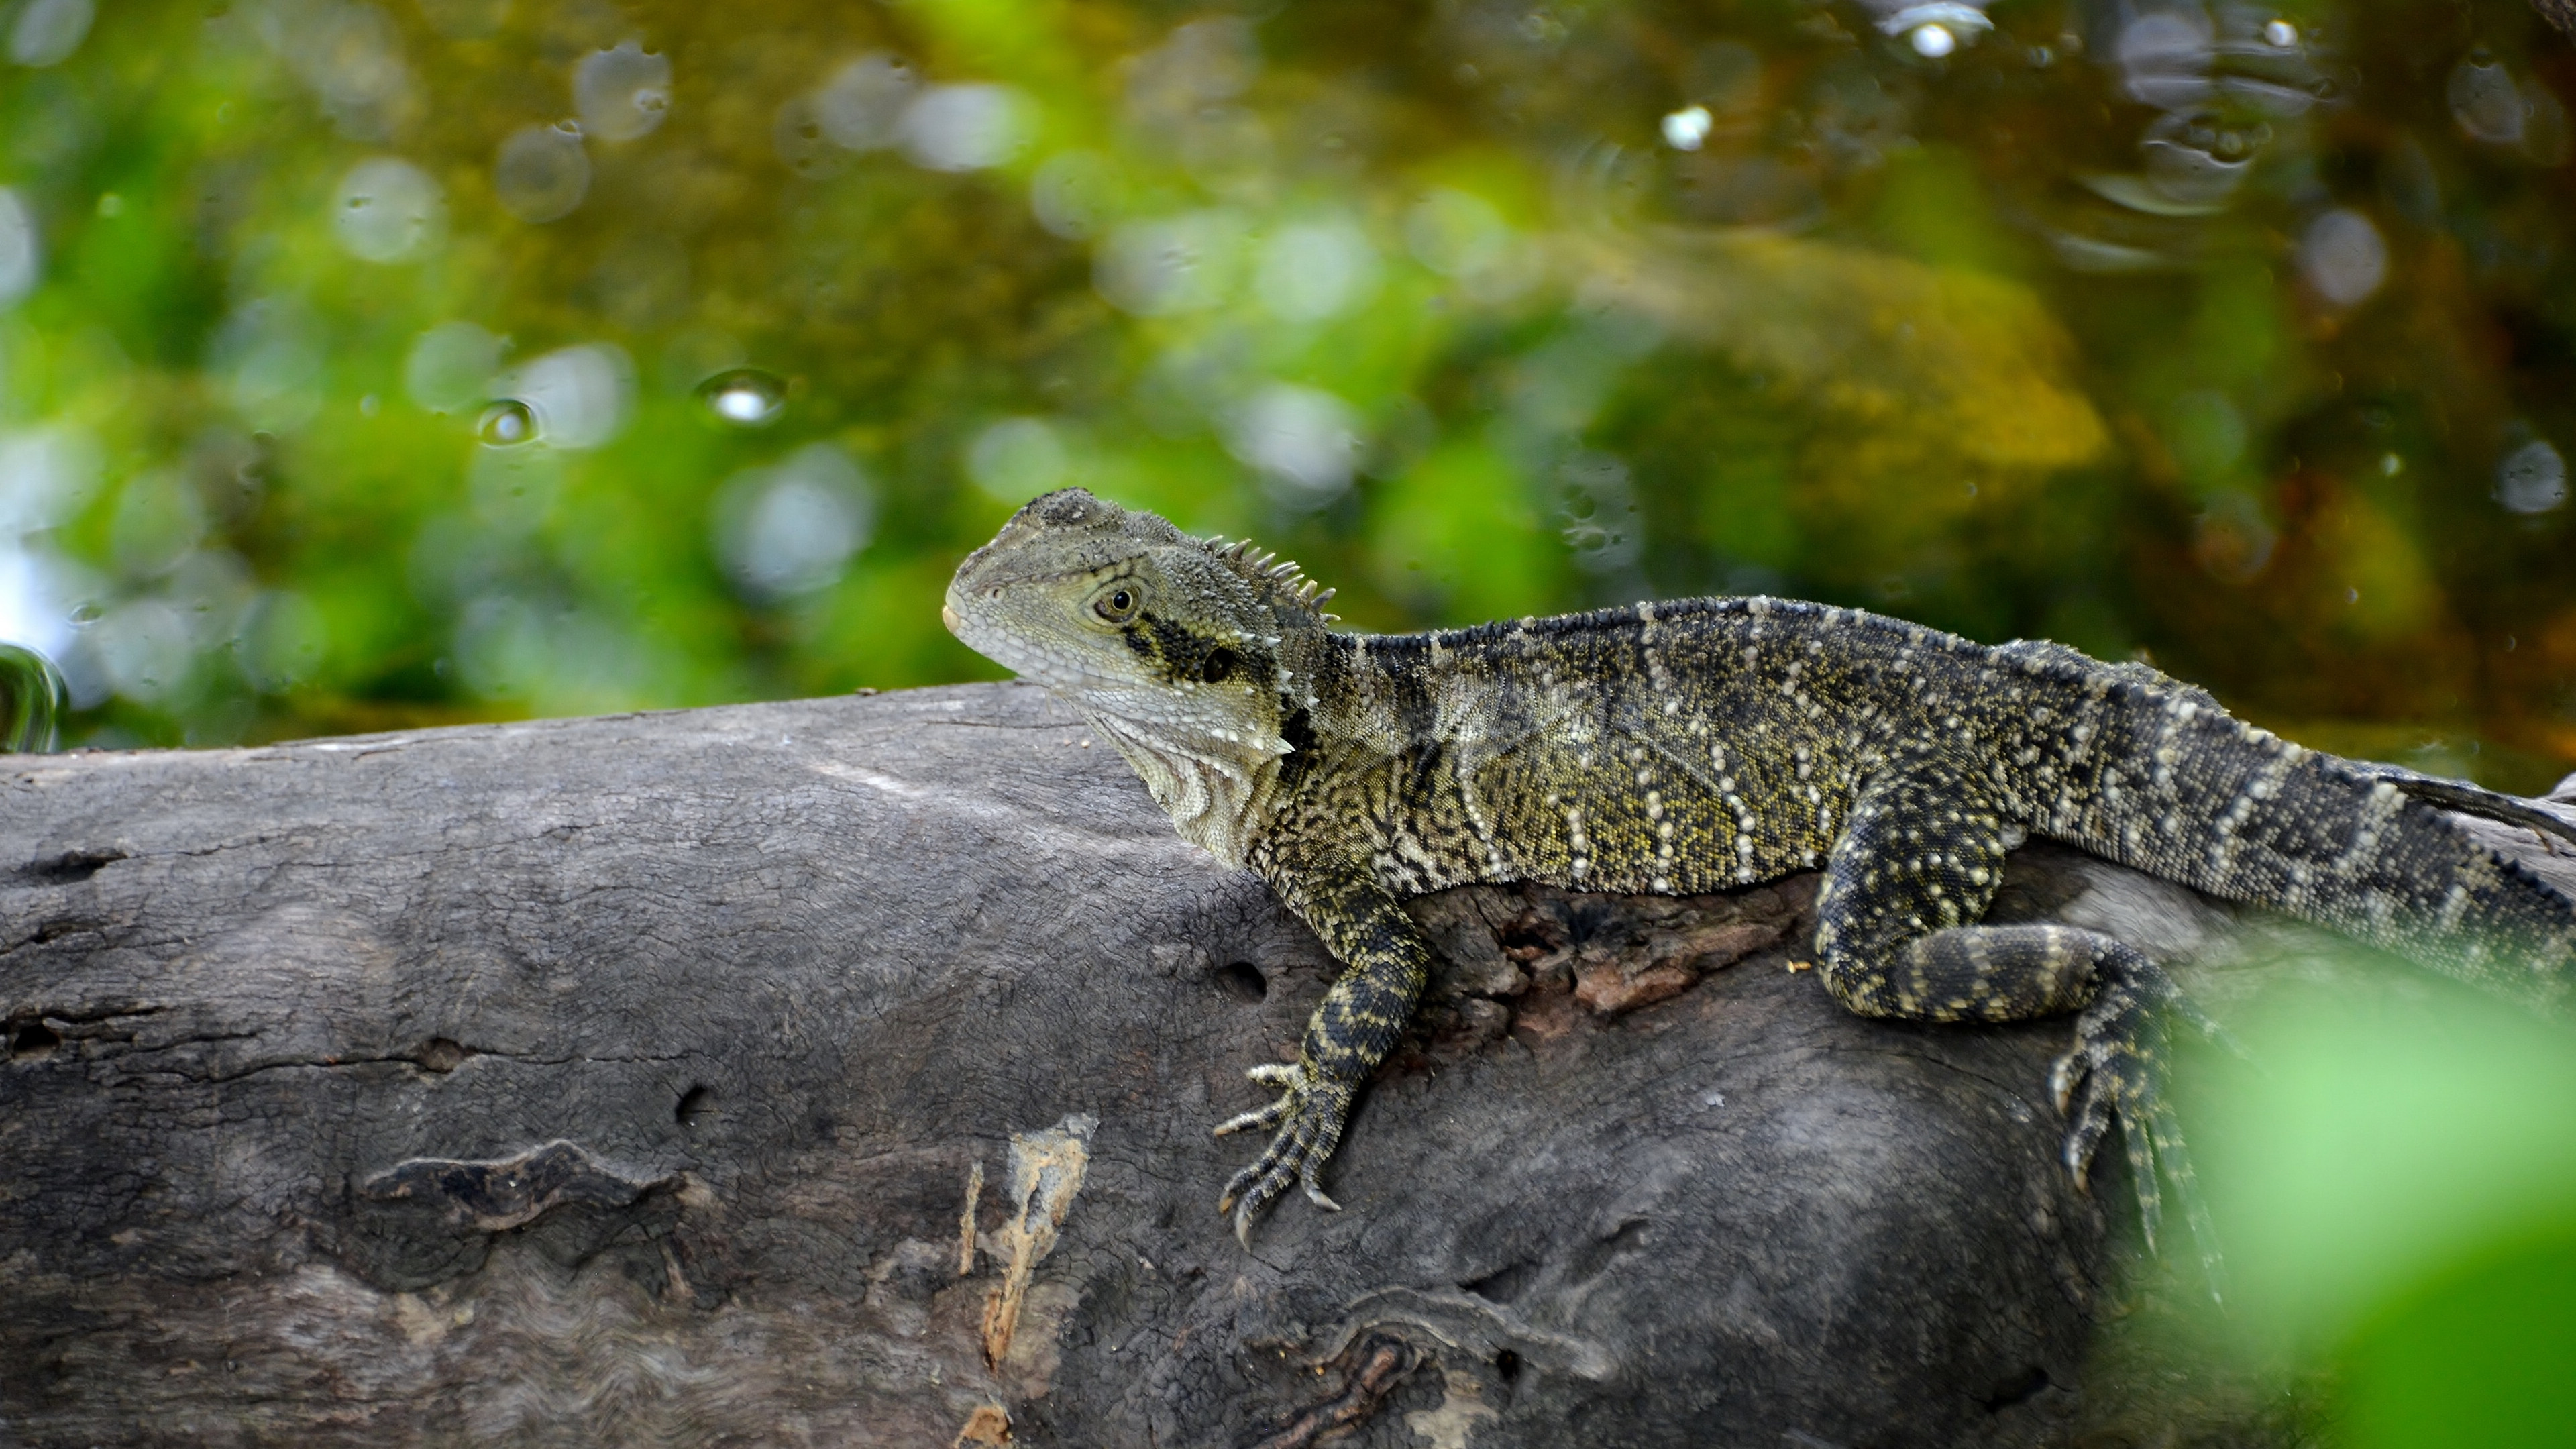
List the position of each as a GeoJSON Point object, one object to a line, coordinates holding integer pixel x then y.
{"type": "Point", "coordinates": [1012, 653]}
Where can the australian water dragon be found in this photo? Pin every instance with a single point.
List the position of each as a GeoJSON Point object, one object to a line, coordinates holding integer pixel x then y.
{"type": "Point", "coordinates": [1689, 745]}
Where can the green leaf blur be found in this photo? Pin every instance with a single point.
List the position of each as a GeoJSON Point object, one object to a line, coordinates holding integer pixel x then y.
{"type": "Point", "coordinates": [2395, 1181]}
{"type": "Point", "coordinates": [367, 365]}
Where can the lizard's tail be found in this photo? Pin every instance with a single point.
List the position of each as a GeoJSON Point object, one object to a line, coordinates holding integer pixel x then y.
{"type": "Point", "coordinates": [2363, 849]}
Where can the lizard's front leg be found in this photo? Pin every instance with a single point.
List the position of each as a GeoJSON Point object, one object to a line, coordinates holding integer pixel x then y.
{"type": "Point", "coordinates": [1385, 962]}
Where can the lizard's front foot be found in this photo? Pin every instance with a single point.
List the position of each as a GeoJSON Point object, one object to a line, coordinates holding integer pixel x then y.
{"type": "Point", "coordinates": [1309, 1115]}
{"type": "Point", "coordinates": [2117, 1071]}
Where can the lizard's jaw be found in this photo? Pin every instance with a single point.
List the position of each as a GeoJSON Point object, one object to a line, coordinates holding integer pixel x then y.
{"type": "Point", "coordinates": [1059, 667]}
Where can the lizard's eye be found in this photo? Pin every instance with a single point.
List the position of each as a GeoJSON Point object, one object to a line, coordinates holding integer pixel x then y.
{"type": "Point", "coordinates": [1117, 605]}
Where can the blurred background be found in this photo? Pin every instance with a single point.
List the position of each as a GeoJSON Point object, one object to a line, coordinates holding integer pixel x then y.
{"type": "Point", "coordinates": [365, 365]}
{"type": "Point", "coordinates": [374, 365]}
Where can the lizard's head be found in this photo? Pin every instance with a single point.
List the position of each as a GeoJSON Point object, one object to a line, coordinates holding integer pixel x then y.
{"type": "Point", "coordinates": [1128, 617]}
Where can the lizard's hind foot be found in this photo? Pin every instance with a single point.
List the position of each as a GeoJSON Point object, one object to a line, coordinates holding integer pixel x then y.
{"type": "Point", "coordinates": [2118, 1072]}
{"type": "Point", "coordinates": [1309, 1116]}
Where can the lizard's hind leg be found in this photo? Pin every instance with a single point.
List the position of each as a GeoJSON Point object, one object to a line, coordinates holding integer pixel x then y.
{"type": "Point", "coordinates": [1897, 935]}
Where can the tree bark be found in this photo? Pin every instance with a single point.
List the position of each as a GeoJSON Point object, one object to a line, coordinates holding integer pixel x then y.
{"type": "Point", "coordinates": [651, 1079]}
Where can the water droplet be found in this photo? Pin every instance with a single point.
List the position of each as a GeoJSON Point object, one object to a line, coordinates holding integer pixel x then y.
{"type": "Point", "coordinates": [1314, 270]}
{"type": "Point", "coordinates": [2194, 158]}
{"type": "Point", "coordinates": [801, 142]}
{"type": "Point", "coordinates": [1936, 29]}
{"type": "Point", "coordinates": [579, 395]}
{"type": "Point", "coordinates": [542, 173]}
{"type": "Point", "coordinates": [2165, 56]}
{"type": "Point", "coordinates": [2232, 540]}
{"type": "Point", "coordinates": [144, 649]}
{"type": "Point", "coordinates": [622, 93]}
{"type": "Point", "coordinates": [1686, 128]}
{"type": "Point", "coordinates": [31, 700]}
{"type": "Point", "coordinates": [966, 128]}
{"type": "Point", "coordinates": [745, 396]}
{"type": "Point", "coordinates": [513, 490]}
{"type": "Point", "coordinates": [2343, 257]}
{"type": "Point", "coordinates": [86, 612]}
{"type": "Point", "coordinates": [1073, 193]}
{"type": "Point", "coordinates": [2280, 34]}
{"type": "Point", "coordinates": [1171, 264]}
{"type": "Point", "coordinates": [506, 424]}
{"type": "Point", "coordinates": [20, 257]}
{"type": "Point", "coordinates": [2485, 100]}
{"type": "Point", "coordinates": [388, 210]}
{"type": "Point", "coordinates": [861, 106]}
{"type": "Point", "coordinates": [2532, 478]}
{"type": "Point", "coordinates": [282, 641]}
{"type": "Point", "coordinates": [48, 31]}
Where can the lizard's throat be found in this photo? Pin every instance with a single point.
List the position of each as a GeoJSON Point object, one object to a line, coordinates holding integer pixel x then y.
{"type": "Point", "coordinates": [1217, 791]}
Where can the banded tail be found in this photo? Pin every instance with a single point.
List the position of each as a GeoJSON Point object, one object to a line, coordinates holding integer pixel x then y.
{"type": "Point", "coordinates": [2192, 794]}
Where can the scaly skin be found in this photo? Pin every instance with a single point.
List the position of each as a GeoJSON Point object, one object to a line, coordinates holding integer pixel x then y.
{"type": "Point", "coordinates": [1687, 746]}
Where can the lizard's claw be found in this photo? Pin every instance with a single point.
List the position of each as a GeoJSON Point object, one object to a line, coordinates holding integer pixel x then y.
{"type": "Point", "coordinates": [1309, 1115]}
{"type": "Point", "coordinates": [2116, 1072]}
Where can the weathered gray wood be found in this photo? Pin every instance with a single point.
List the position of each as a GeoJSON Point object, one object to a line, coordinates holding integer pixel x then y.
{"type": "Point", "coordinates": [620, 1081]}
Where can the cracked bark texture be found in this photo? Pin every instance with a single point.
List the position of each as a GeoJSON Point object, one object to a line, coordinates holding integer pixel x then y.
{"type": "Point", "coordinates": [622, 1081]}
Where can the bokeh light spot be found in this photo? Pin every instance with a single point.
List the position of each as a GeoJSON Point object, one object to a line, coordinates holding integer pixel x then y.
{"type": "Point", "coordinates": [790, 529]}
{"type": "Point", "coordinates": [2342, 257]}
{"type": "Point", "coordinates": [387, 210]}
{"type": "Point", "coordinates": [1305, 441]}
{"type": "Point", "coordinates": [542, 172]}
{"type": "Point", "coordinates": [1315, 270]}
{"type": "Point", "coordinates": [966, 127]}
{"type": "Point", "coordinates": [46, 32]}
{"type": "Point", "coordinates": [21, 257]}
{"type": "Point", "coordinates": [1017, 459]}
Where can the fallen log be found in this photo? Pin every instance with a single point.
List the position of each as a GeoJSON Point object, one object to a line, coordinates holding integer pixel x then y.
{"type": "Point", "coordinates": [840, 1072]}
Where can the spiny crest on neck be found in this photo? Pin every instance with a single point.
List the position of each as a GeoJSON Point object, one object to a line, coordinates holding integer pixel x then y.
{"type": "Point", "coordinates": [1279, 586]}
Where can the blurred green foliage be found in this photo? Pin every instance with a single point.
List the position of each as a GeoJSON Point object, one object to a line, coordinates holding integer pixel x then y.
{"type": "Point", "coordinates": [2397, 1188]}
{"type": "Point", "coordinates": [373, 364]}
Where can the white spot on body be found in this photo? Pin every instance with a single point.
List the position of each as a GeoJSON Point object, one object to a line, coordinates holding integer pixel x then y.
{"type": "Point", "coordinates": [2455, 904]}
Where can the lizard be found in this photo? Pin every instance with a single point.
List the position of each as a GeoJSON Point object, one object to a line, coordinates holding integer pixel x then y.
{"type": "Point", "coordinates": [1684, 746]}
